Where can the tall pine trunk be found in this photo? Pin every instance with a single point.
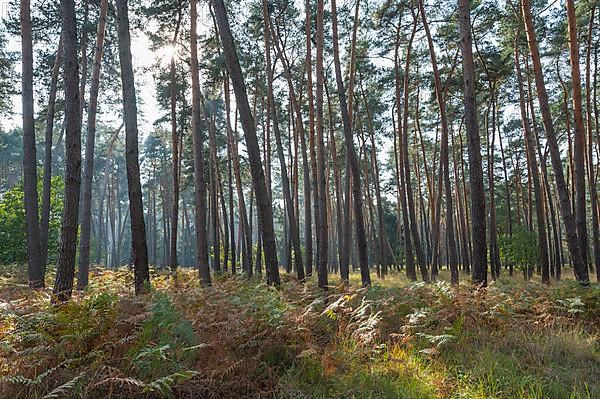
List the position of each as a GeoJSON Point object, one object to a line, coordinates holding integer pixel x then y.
{"type": "Point", "coordinates": [88, 175]}
{"type": "Point", "coordinates": [258, 177]}
{"type": "Point", "coordinates": [579, 267]}
{"type": "Point", "coordinates": [35, 267]}
{"type": "Point", "coordinates": [136, 208]}
{"type": "Point", "coordinates": [65, 270]}
{"type": "Point", "coordinates": [199, 181]}
{"type": "Point", "coordinates": [479, 257]}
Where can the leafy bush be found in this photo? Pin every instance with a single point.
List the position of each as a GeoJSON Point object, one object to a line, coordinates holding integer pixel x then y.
{"type": "Point", "coordinates": [13, 233]}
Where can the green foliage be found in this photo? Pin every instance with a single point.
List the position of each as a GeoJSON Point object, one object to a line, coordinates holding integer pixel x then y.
{"type": "Point", "coordinates": [520, 249]}
{"type": "Point", "coordinates": [165, 343]}
{"type": "Point", "coordinates": [13, 232]}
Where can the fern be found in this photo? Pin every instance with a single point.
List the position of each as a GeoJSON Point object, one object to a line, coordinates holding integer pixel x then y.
{"type": "Point", "coordinates": [62, 390]}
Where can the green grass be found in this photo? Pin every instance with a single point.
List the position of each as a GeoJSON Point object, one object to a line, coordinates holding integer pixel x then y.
{"type": "Point", "coordinates": [240, 338]}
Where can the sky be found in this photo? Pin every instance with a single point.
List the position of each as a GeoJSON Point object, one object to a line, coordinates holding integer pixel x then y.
{"type": "Point", "coordinates": [142, 59]}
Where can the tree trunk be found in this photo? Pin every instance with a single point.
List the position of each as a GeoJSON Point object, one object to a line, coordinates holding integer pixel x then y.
{"type": "Point", "coordinates": [479, 258]}
{"type": "Point", "coordinates": [86, 215]}
{"type": "Point", "coordinates": [199, 183]}
{"type": "Point", "coordinates": [285, 183]}
{"type": "Point", "coordinates": [256, 169]}
{"type": "Point", "coordinates": [47, 178]}
{"type": "Point", "coordinates": [351, 157]}
{"type": "Point", "coordinates": [590, 123]}
{"type": "Point", "coordinates": [580, 269]}
{"type": "Point", "coordinates": [444, 168]}
{"type": "Point", "coordinates": [36, 269]}
{"type": "Point", "coordinates": [579, 139]}
{"type": "Point", "coordinates": [136, 208]}
{"type": "Point", "coordinates": [530, 147]}
{"type": "Point", "coordinates": [65, 270]}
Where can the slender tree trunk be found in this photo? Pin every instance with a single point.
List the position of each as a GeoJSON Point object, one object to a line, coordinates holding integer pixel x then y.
{"type": "Point", "coordinates": [590, 145]}
{"type": "Point", "coordinates": [258, 176]}
{"type": "Point", "coordinates": [444, 168]}
{"type": "Point", "coordinates": [47, 178]}
{"type": "Point", "coordinates": [36, 269]}
{"type": "Point", "coordinates": [579, 139]}
{"type": "Point", "coordinates": [479, 257]}
{"type": "Point", "coordinates": [285, 183]}
{"type": "Point", "coordinates": [580, 269]}
{"type": "Point", "coordinates": [136, 208]}
{"type": "Point", "coordinates": [173, 263]}
{"type": "Point", "coordinates": [65, 270]}
{"type": "Point", "coordinates": [351, 157]}
{"type": "Point", "coordinates": [86, 215]}
{"type": "Point", "coordinates": [530, 147]}
{"type": "Point", "coordinates": [199, 183]}
{"type": "Point", "coordinates": [322, 227]}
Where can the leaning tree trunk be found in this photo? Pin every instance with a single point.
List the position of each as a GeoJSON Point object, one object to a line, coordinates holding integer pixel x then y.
{"type": "Point", "coordinates": [86, 215]}
{"type": "Point", "coordinates": [256, 169]}
{"type": "Point", "coordinates": [357, 201]}
{"type": "Point", "coordinates": [35, 267]}
{"type": "Point", "coordinates": [444, 169]}
{"type": "Point", "coordinates": [199, 183]}
{"type": "Point", "coordinates": [65, 270]}
{"type": "Point", "coordinates": [136, 208]}
{"type": "Point", "coordinates": [579, 267]}
{"type": "Point", "coordinates": [285, 182]}
{"type": "Point", "coordinates": [479, 257]}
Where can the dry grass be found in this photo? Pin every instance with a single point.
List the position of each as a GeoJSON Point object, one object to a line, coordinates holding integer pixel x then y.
{"type": "Point", "coordinates": [243, 339]}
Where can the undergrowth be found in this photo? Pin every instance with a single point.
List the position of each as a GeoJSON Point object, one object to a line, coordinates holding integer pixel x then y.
{"type": "Point", "coordinates": [240, 338]}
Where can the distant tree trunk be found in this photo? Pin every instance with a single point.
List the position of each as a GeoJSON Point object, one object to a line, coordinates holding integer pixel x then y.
{"type": "Point", "coordinates": [308, 200]}
{"type": "Point", "coordinates": [86, 215]}
{"type": "Point", "coordinates": [530, 147]}
{"type": "Point", "coordinates": [136, 208]}
{"type": "Point", "coordinates": [357, 201]}
{"type": "Point", "coordinates": [173, 263]}
{"type": "Point", "coordinates": [199, 182]}
{"type": "Point", "coordinates": [65, 270]}
{"type": "Point", "coordinates": [580, 269]}
{"type": "Point", "coordinates": [47, 179]}
{"type": "Point", "coordinates": [579, 139]}
{"type": "Point", "coordinates": [230, 191]}
{"type": "Point", "coordinates": [214, 194]}
{"type": "Point", "coordinates": [421, 260]}
{"type": "Point", "coordinates": [258, 176]}
{"type": "Point", "coordinates": [35, 267]}
{"type": "Point", "coordinates": [479, 258]}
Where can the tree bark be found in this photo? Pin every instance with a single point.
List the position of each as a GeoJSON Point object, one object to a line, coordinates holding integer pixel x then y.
{"type": "Point", "coordinates": [579, 269]}
{"type": "Point", "coordinates": [256, 169]}
{"type": "Point", "coordinates": [86, 214]}
{"type": "Point", "coordinates": [479, 258]}
{"type": "Point", "coordinates": [530, 148]}
{"type": "Point", "coordinates": [65, 270]}
{"type": "Point", "coordinates": [357, 201]}
{"type": "Point", "coordinates": [197, 139]}
{"type": "Point", "coordinates": [35, 267]}
{"type": "Point", "coordinates": [47, 178]}
{"type": "Point", "coordinates": [136, 208]}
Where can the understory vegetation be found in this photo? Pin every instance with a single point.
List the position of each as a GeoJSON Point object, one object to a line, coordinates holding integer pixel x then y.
{"type": "Point", "coordinates": [241, 338]}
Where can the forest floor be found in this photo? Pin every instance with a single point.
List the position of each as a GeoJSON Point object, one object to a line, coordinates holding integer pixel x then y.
{"type": "Point", "coordinates": [242, 339]}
